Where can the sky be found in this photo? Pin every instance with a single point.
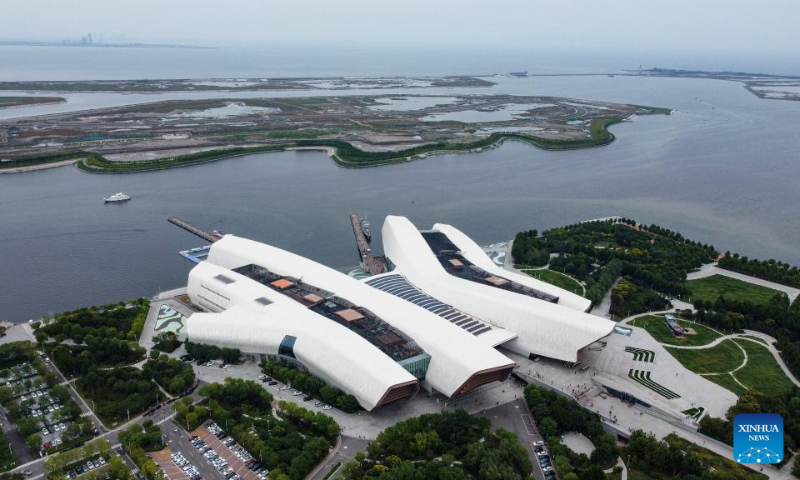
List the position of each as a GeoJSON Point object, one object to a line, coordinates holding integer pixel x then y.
{"type": "Point", "coordinates": [667, 25]}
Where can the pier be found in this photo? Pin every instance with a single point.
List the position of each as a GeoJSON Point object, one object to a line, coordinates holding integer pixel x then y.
{"type": "Point", "coordinates": [369, 262]}
{"type": "Point", "coordinates": [192, 229]}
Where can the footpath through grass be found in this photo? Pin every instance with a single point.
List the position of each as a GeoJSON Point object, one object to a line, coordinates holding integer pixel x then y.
{"type": "Point", "coordinates": [720, 358]}
{"type": "Point", "coordinates": [762, 372]}
{"type": "Point", "coordinates": [657, 327]}
{"type": "Point", "coordinates": [726, 380]}
{"type": "Point", "coordinates": [710, 288]}
{"type": "Point", "coordinates": [558, 279]}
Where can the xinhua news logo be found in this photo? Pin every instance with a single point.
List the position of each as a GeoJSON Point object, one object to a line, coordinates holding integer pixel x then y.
{"type": "Point", "coordinates": [758, 438]}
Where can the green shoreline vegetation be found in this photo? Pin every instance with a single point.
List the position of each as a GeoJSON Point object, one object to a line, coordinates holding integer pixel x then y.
{"type": "Point", "coordinates": [345, 154]}
{"type": "Point", "coordinates": [8, 102]}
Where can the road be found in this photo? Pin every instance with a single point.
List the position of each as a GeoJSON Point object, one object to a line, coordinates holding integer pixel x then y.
{"type": "Point", "coordinates": [515, 417]}
{"type": "Point", "coordinates": [162, 417]}
{"type": "Point", "coordinates": [16, 441]}
{"type": "Point", "coordinates": [344, 451]}
{"type": "Point", "coordinates": [77, 398]}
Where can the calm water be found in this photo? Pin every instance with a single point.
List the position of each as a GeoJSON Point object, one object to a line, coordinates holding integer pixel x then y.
{"type": "Point", "coordinates": [57, 63]}
{"type": "Point", "coordinates": [723, 169]}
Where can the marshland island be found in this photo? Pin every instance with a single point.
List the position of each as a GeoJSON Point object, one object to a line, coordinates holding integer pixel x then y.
{"type": "Point", "coordinates": [357, 130]}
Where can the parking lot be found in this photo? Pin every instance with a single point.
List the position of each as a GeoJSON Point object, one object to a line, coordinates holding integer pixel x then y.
{"type": "Point", "coordinates": [162, 458]}
{"type": "Point", "coordinates": [178, 441]}
{"type": "Point", "coordinates": [235, 463]}
{"type": "Point", "coordinates": [37, 401]}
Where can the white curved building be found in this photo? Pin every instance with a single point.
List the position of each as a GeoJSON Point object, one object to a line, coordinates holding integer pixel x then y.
{"type": "Point", "coordinates": [451, 361]}
{"type": "Point", "coordinates": [475, 254]}
{"type": "Point", "coordinates": [257, 319]}
{"type": "Point", "coordinates": [462, 278]}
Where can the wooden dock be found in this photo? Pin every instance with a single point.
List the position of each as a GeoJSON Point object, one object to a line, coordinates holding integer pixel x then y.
{"type": "Point", "coordinates": [192, 229]}
{"type": "Point", "coordinates": [374, 264]}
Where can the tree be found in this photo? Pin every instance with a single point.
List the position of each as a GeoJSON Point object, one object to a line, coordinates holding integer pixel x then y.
{"type": "Point", "coordinates": [34, 442]}
{"type": "Point", "coordinates": [73, 430]}
{"type": "Point", "coordinates": [230, 355]}
{"type": "Point", "coordinates": [6, 395]}
{"type": "Point", "coordinates": [548, 427]}
{"type": "Point", "coordinates": [118, 469]}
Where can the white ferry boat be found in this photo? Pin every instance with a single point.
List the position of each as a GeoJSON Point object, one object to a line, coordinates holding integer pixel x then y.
{"type": "Point", "coordinates": [117, 197]}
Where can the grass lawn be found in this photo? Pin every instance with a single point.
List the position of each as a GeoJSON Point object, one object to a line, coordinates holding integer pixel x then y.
{"type": "Point", "coordinates": [637, 475]}
{"type": "Point", "coordinates": [721, 358]}
{"type": "Point", "coordinates": [762, 372]}
{"type": "Point", "coordinates": [710, 288]}
{"type": "Point", "coordinates": [725, 380]}
{"type": "Point", "coordinates": [557, 279]}
{"type": "Point", "coordinates": [656, 326]}
{"type": "Point", "coordinates": [723, 466]}
{"type": "Point", "coordinates": [757, 339]}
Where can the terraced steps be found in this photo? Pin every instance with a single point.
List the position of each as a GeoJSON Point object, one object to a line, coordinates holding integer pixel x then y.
{"type": "Point", "coordinates": [641, 355]}
{"type": "Point", "coordinates": [643, 377]}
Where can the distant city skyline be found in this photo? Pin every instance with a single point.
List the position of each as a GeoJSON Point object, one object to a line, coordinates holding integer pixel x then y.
{"type": "Point", "coordinates": [680, 25]}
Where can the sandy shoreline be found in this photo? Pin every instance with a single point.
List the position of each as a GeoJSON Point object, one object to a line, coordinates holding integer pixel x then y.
{"type": "Point", "coordinates": [329, 150]}
{"type": "Point", "coordinates": [42, 166]}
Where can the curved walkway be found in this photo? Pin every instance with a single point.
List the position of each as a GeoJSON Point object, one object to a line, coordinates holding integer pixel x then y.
{"type": "Point", "coordinates": [738, 336]}
{"type": "Point", "coordinates": [731, 373]}
{"type": "Point", "coordinates": [712, 269]}
{"type": "Point", "coordinates": [621, 464]}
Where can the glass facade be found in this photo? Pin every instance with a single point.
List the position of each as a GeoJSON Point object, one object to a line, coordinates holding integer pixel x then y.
{"type": "Point", "coordinates": [287, 346]}
{"type": "Point", "coordinates": [417, 365]}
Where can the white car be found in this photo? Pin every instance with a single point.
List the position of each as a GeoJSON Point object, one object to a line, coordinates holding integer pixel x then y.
{"type": "Point", "coordinates": [326, 407]}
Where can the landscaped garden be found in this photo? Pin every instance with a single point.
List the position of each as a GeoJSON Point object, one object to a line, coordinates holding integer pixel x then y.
{"type": "Point", "coordinates": [710, 288]}
{"type": "Point", "coordinates": [657, 327]}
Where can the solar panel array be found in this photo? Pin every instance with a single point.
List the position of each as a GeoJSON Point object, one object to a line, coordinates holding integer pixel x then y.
{"type": "Point", "coordinates": [398, 286]}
